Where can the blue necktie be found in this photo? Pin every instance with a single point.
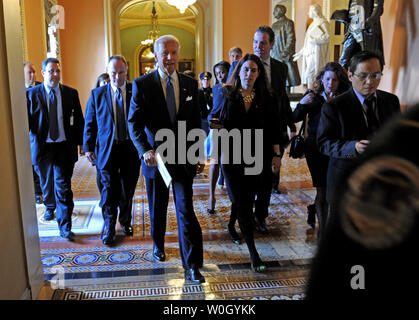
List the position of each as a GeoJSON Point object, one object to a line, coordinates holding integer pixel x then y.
{"type": "Point", "coordinates": [171, 100]}
{"type": "Point", "coordinates": [52, 116]}
{"type": "Point", "coordinates": [120, 114]}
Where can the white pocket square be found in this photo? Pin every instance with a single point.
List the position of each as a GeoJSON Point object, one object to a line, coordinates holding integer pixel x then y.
{"type": "Point", "coordinates": [189, 98]}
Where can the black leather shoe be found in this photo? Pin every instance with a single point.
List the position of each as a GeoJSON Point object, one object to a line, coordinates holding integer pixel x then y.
{"type": "Point", "coordinates": [194, 275]}
{"type": "Point", "coordinates": [127, 230]}
{"type": "Point", "coordinates": [159, 255]}
{"type": "Point", "coordinates": [109, 236]}
{"type": "Point", "coordinates": [108, 239]}
{"type": "Point", "coordinates": [49, 215]}
{"type": "Point", "coordinates": [70, 236]}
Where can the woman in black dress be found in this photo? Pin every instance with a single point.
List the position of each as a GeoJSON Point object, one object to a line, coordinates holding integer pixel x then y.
{"type": "Point", "coordinates": [248, 105]}
{"type": "Point", "coordinates": [329, 83]}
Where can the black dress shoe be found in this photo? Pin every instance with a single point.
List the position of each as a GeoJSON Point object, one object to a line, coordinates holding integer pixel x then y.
{"type": "Point", "coordinates": [194, 275]}
{"type": "Point", "coordinates": [49, 215]}
{"type": "Point", "coordinates": [127, 230]}
{"type": "Point", "coordinates": [108, 239]}
{"type": "Point", "coordinates": [70, 236]}
{"type": "Point", "coordinates": [109, 236]}
{"type": "Point", "coordinates": [159, 255]}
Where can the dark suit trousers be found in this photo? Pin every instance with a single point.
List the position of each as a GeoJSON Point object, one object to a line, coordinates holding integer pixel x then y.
{"type": "Point", "coordinates": [119, 179]}
{"type": "Point", "coordinates": [36, 183]}
{"type": "Point", "coordinates": [189, 230]}
{"type": "Point", "coordinates": [55, 172]}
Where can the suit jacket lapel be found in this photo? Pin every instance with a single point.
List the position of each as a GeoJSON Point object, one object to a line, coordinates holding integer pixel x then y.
{"type": "Point", "coordinates": [128, 97]}
{"type": "Point", "coordinates": [109, 101]}
{"type": "Point", "coordinates": [182, 94]}
{"type": "Point", "coordinates": [43, 99]}
{"type": "Point", "coordinates": [382, 113]}
{"type": "Point", "coordinates": [65, 108]}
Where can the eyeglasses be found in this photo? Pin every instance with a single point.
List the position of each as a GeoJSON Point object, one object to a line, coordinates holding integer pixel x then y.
{"type": "Point", "coordinates": [364, 76]}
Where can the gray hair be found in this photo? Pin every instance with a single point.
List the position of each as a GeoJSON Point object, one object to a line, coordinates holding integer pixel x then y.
{"type": "Point", "coordinates": [164, 39]}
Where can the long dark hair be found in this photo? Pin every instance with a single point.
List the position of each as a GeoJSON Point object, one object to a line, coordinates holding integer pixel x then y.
{"type": "Point", "coordinates": [260, 87]}
{"type": "Point", "coordinates": [222, 64]}
{"type": "Point", "coordinates": [102, 77]}
{"type": "Point", "coordinates": [344, 83]}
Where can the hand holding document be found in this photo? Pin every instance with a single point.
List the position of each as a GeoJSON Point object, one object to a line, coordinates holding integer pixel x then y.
{"type": "Point", "coordinates": [163, 170]}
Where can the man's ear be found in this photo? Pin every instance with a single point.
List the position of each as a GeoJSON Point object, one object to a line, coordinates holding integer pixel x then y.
{"type": "Point", "coordinates": [350, 76]}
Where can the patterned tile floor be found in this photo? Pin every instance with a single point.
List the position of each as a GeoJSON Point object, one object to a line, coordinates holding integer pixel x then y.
{"type": "Point", "coordinates": [89, 270]}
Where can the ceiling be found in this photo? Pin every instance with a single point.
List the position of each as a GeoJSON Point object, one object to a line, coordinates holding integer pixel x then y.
{"type": "Point", "coordinates": [139, 14]}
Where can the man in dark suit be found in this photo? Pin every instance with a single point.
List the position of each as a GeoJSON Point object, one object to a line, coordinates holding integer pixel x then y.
{"type": "Point", "coordinates": [205, 98]}
{"type": "Point", "coordinates": [56, 129]}
{"type": "Point", "coordinates": [30, 81]}
{"type": "Point", "coordinates": [276, 71]}
{"type": "Point", "coordinates": [348, 122]}
{"type": "Point", "coordinates": [165, 99]}
{"type": "Point", "coordinates": [363, 255]}
{"type": "Point", "coordinates": [107, 144]}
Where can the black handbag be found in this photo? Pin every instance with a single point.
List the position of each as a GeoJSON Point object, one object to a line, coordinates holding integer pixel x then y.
{"type": "Point", "coordinates": [297, 144]}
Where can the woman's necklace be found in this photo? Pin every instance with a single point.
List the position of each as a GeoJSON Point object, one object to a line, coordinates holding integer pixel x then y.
{"type": "Point", "coordinates": [248, 98]}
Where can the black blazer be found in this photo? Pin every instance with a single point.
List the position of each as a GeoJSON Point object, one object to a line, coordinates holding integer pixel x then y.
{"type": "Point", "coordinates": [148, 114]}
{"type": "Point", "coordinates": [279, 72]}
{"type": "Point", "coordinates": [99, 129]}
{"type": "Point", "coordinates": [262, 114]}
{"type": "Point", "coordinates": [73, 120]}
{"type": "Point", "coordinates": [341, 126]}
{"type": "Point", "coordinates": [313, 110]}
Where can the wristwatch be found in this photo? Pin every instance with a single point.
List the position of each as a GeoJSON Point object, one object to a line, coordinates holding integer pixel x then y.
{"type": "Point", "coordinates": [277, 155]}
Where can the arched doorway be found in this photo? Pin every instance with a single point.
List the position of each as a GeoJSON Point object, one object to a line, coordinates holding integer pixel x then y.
{"type": "Point", "coordinates": [113, 26]}
{"type": "Point", "coordinates": [145, 60]}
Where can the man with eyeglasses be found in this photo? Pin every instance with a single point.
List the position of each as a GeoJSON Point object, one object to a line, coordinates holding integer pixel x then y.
{"type": "Point", "coordinates": [56, 129]}
{"type": "Point", "coordinates": [348, 122]}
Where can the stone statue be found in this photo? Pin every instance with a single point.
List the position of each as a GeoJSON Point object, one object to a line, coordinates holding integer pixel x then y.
{"type": "Point", "coordinates": [362, 29]}
{"type": "Point", "coordinates": [284, 45]}
{"type": "Point", "coordinates": [315, 51]}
